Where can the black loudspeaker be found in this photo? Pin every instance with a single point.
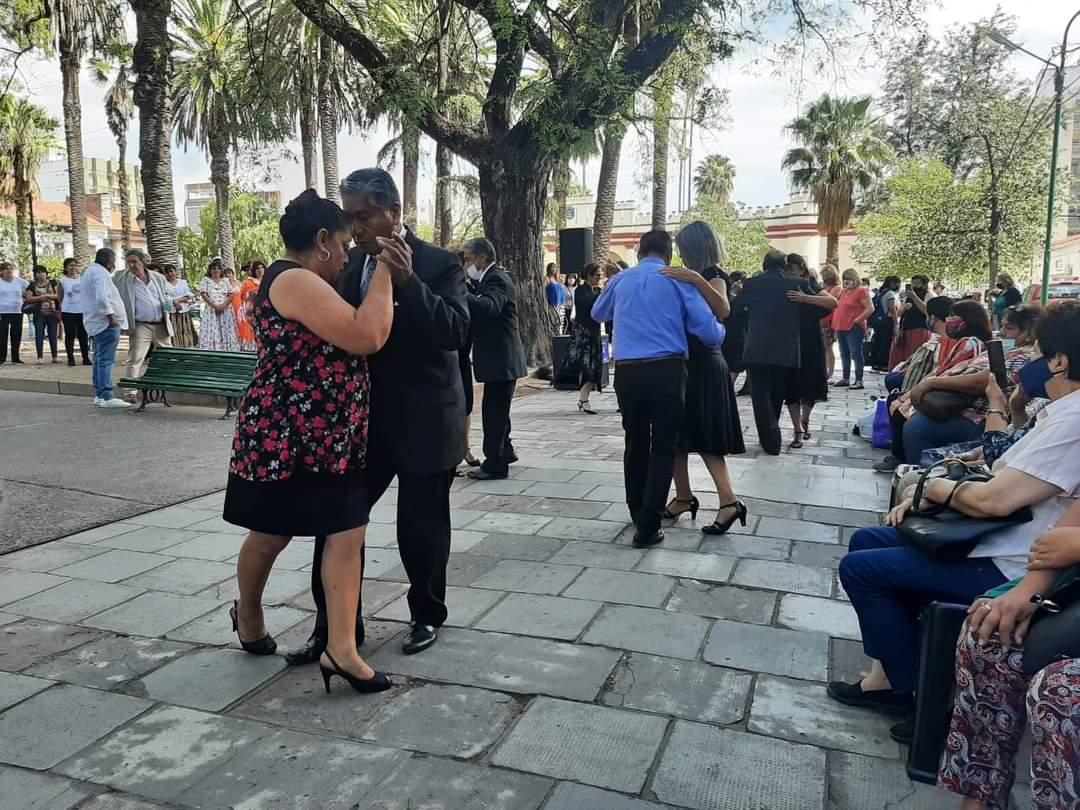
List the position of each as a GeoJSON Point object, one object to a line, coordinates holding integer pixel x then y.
{"type": "Point", "coordinates": [575, 250]}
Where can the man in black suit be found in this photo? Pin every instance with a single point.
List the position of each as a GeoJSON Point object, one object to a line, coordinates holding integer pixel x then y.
{"type": "Point", "coordinates": [416, 429]}
{"type": "Point", "coordinates": [772, 351]}
{"type": "Point", "coordinates": [498, 357]}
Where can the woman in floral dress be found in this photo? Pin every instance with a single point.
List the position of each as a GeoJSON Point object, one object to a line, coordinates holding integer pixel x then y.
{"type": "Point", "coordinates": [300, 446]}
{"type": "Point", "coordinates": [217, 331]}
{"type": "Point", "coordinates": [246, 299]}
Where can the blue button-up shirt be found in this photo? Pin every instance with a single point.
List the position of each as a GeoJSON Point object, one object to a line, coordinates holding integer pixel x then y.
{"type": "Point", "coordinates": [653, 313]}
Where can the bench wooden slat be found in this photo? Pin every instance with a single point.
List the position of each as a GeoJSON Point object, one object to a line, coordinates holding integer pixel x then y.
{"type": "Point", "coordinates": [196, 371]}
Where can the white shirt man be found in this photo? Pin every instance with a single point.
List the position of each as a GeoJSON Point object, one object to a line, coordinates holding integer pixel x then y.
{"type": "Point", "coordinates": [104, 318]}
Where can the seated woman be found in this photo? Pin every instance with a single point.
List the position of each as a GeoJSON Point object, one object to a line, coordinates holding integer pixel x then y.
{"type": "Point", "coordinates": [888, 580]}
{"type": "Point", "coordinates": [989, 715]}
{"type": "Point", "coordinates": [301, 433]}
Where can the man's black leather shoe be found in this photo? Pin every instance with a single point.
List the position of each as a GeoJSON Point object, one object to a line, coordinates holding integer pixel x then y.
{"type": "Point", "coordinates": [421, 636]}
{"type": "Point", "coordinates": [647, 540]}
{"type": "Point", "coordinates": [484, 475]}
{"type": "Point", "coordinates": [316, 643]}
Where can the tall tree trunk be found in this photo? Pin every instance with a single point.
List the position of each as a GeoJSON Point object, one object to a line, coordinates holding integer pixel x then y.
{"type": "Point", "coordinates": [328, 118]}
{"type": "Point", "coordinates": [21, 190]}
{"type": "Point", "coordinates": [444, 223]}
{"type": "Point", "coordinates": [219, 176]}
{"type": "Point", "coordinates": [125, 199]}
{"type": "Point", "coordinates": [309, 136]}
{"type": "Point", "coordinates": [662, 101]}
{"type": "Point", "coordinates": [606, 188]}
{"type": "Point", "coordinates": [513, 198]}
{"type": "Point", "coordinates": [444, 196]}
{"type": "Point", "coordinates": [832, 248]}
{"type": "Point", "coordinates": [69, 69]}
{"type": "Point", "coordinates": [560, 189]}
{"type": "Point", "coordinates": [410, 170]}
{"type": "Point", "coordinates": [153, 73]}
{"type": "Point", "coordinates": [994, 257]}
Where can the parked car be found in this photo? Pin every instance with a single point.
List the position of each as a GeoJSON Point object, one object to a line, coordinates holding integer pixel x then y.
{"type": "Point", "coordinates": [1059, 291]}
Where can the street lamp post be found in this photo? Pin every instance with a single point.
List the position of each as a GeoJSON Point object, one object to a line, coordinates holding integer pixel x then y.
{"type": "Point", "coordinates": [1059, 93]}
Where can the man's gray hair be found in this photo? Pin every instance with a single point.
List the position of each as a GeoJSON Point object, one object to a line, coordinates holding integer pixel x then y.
{"type": "Point", "coordinates": [138, 254]}
{"type": "Point", "coordinates": [700, 247]}
{"type": "Point", "coordinates": [376, 183]}
{"type": "Point", "coordinates": [481, 247]}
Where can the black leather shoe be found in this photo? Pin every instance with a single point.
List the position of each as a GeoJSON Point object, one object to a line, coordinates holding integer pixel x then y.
{"type": "Point", "coordinates": [484, 475]}
{"type": "Point", "coordinates": [421, 636]}
{"type": "Point", "coordinates": [886, 700]}
{"type": "Point", "coordinates": [316, 643]}
{"type": "Point", "coordinates": [904, 731]}
{"type": "Point", "coordinates": [647, 540]}
{"type": "Point", "coordinates": [512, 458]}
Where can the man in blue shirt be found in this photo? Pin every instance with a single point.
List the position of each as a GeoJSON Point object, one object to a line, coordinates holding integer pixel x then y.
{"type": "Point", "coordinates": [652, 314]}
{"type": "Point", "coordinates": [556, 296]}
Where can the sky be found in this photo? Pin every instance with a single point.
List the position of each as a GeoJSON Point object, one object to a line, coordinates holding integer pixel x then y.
{"type": "Point", "coordinates": [760, 104]}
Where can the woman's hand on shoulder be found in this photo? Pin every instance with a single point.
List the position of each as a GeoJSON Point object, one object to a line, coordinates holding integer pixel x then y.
{"type": "Point", "coordinates": [684, 275]}
{"type": "Point", "coordinates": [1056, 549]}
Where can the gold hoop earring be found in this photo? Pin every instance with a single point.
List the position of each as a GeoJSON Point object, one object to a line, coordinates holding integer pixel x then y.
{"type": "Point", "coordinates": [325, 258]}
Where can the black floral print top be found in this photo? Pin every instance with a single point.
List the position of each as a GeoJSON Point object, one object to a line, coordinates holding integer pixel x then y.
{"type": "Point", "coordinates": [307, 407]}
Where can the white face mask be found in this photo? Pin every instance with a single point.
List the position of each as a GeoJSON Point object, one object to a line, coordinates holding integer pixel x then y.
{"type": "Point", "coordinates": [472, 272]}
{"type": "Point", "coordinates": [850, 285]}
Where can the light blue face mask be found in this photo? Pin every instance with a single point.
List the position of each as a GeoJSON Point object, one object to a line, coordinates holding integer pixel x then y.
{"type": "Point", "coordinates": [1008, 344]}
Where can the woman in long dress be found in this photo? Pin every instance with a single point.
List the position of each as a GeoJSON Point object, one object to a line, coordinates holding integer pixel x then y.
{"type": "Point", "coordinates": [217, 332]}
{"type": "Point", "coordinates": [711, 425]}
{"type": "Point", "coordinates": [248, 290]}
{"type": "Point", "coordinates": [184, 334]}
{"type": "Point", "coordinates": [584, 357]}
{"type": "Point", "coordinates": [809, 384]}
{"type": "Point", "coordinates": [299, 452]}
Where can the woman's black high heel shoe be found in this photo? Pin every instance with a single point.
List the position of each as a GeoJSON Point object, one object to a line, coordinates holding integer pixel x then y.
{"type": "Point", "coordinates": [376, 683]}
{"type": "Point", "coordinates": [692, 503]}
{"type": "Point", "coordinates": [584, 407]}
{"type": "Point", "coordinates": [721, 528]}
{"type": "Point", "coordinates": [260, 646]}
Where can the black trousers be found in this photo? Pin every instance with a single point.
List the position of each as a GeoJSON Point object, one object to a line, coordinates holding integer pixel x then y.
{"type": "Point", "coordinates": [768, 387]}
{"type": "Point", "coordinates": [896, 425]}
{"type": "Point", "coordinates": [495, 413]}
{"type": "Point", "coordinates": [10, 328]}
{"type": "Point", "coordinates": [652, 397]}
{"type": "Point", "coordinates": [882, 345]}
{"type": "Point", "coordinates": [423, 533]}
{"type": "Point", "coordinates": [74, 328]}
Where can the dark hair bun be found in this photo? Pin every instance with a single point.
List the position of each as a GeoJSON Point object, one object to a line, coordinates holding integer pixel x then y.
{"type": "Point", "coordinates": [305, 216]}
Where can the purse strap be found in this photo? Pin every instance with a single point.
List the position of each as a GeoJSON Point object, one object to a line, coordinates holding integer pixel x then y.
{"type": "Point", "coordinates": [969, 474]}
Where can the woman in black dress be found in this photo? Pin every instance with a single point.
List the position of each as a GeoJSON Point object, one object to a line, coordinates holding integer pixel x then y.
{"type": "Point", "coordinates": [735, 324]}
{"type": "Point", "coordinates": [711, 426]}
{"type": "Point", "coordinates": [585, 356]}
{"type": "Point", "coordinates": [300, 445]}
{"type": "Point", "coordinates": [810, 382]}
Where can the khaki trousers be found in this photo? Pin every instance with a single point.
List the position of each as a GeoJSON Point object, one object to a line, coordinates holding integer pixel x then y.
{"type": "Point", "coordinates": [140, 340]}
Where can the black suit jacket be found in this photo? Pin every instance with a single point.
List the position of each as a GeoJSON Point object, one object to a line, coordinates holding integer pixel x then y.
{"type": "Point", "coordinates": [417, 421]}
{"type": "Point", "coordinates": [772, 336]}
{"type": "Point", "coordinates": [498, 355]}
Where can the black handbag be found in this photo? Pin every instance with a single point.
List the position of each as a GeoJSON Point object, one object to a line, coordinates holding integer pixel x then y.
{"type": "Point", "coordinates": [948, 533]}
{"type": "Point", "coordinates": [942, 406]}
{"type": "Point", "coordinates": [1055, 628]}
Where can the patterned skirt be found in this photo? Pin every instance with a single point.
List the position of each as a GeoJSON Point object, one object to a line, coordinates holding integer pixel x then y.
{"type": "Point", "coordinates": [184, 334]}
{"type": "Point", "coordinates": [585, 356]}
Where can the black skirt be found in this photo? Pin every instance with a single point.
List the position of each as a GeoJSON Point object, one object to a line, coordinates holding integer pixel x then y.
{"type": "Point", "coordinates": [585, 356]}
{"type": "Point", "coordinates": [305, 505]}
{"type": "Point", "coordinates": [809, 383]}
{"type": "Point", "coordinates": [711, 422]}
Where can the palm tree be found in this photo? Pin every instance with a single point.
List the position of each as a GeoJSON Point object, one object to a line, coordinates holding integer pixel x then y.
{"type": "Point", "coordinates": [27, 135]}
{"type": "Point", "coordinates": [843, 152]}
{"type": "Point", "coordinates": [119, 110]}
{"type": "Point", "coordinates": [663, 101]}
{"type": "Point", "coordinates": [78, 26]}
{"type": "Point", "coordinates": [153, 68]}
{"type": "Point", "coordinates": [715, 178]}
{"type": "Point", "coordinates": [219, 100]}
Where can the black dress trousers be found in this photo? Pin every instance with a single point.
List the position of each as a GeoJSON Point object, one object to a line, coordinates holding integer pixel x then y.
{"type": "Point", "coordinates": [768, 387]}
{"type": "Point", "coordinates": [495, 412]}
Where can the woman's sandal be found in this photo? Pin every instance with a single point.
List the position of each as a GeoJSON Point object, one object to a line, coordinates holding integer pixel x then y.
{"type": "Point", "coordinates": [692, 507]}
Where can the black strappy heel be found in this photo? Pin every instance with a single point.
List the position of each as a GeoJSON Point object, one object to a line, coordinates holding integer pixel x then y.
{"type": "Point", "coordinates": [722, 528]}
{"type": "Point", "coordinates": [260, 646]}
{"type": "Point", "coordinates": [692, 503]}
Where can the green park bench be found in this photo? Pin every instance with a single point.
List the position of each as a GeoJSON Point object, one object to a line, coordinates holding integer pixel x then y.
{"type": "Point", "coordinates": [194, 371]}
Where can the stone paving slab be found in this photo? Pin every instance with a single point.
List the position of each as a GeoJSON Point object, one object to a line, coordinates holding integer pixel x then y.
{"type": "Point", "coordinates": [518, 547]}
{"type": "Point", "coordinates": [186, 577]}
{"type": "Point", "coordinates": [113, 566]}
{"type": "Point", "coordinates": [568, 796]}
{"type": "Point", "coordinates": [216, 627]}
{"type": "Point", "coordinates": [165, 752]}
{"type": "Point", "coordinates": [543, 616]}
{"type": "Point", "coordinates": [14, 688]}
{"type": "Point", "coordinates": [72, 601]}
{"type": "Point", "coordinates": [781, 576]}
{"type": "Point", "coordinates": [208, 679]}
{"type": "Point", "coordinates": [740, 545]}
{"type": "Point", "coordinates": [151, 614]}
{"type": "Point", "coordinates": [45, 558]}
{"type": "Point", "coordinates": [767, 649]}
{"type": "Point", "coordinates": [292, 771]}
{"type": "Point", "coordinates": [722, 601]}
{"type": "Point", "coordinates": [465, 605]}
{"type": "Point", "coordinates": [597, 555]}
{"type": "Point", "coordinates": [524, 577]}
{"type": "Point", "coordinates": [650, 631]}
{"type": "Point", "coordinates": [708, 567]}
{"type": "Point", "coordinates": [56, 723]}
{"type": "Point", "coordinates": [108, 662]}
{"type": "Point", "coordinates": [679, 688]}
{"type": "Point", "coordinates": [16, 584]}
{"type": "Point", "coordinates": [622, 587]}
{"type": "Point", "coordinates": [599, 746]}
{"type": "Point", "coordinates": [29, 641]}
{"type": "Point", "coordinates": [442, 784]}
{"type": "Point", "coordinates": [869, 783]}
{"type": "Point", "coordinates": [799, 711]}
{"type": "Point", "coordinates": [147, 539]}
{"type": "Point", "coordinates": [40, 791]}
{"type": "Point", "coordinates": [707, 768]}
{"type": "Point", "coordinates": [816, 615]}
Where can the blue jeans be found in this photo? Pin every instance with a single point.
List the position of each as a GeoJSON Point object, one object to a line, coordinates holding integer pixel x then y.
{"type": "Point", "coordinates": [923, 433]}
{"type": "Point", "coordinates": [851, 348]}
{"type": "Point", "coordinates": [105, 344]}
{"type": "Point", "coordinates": [889, 582]}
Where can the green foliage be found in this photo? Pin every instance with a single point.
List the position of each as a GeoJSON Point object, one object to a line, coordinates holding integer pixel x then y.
{"type": "Point", "coordinates": [715, 178]}
{"type": "Point", "coordinates": [745, 241]}
{"type": "Point", "coordinates": [255, 231]}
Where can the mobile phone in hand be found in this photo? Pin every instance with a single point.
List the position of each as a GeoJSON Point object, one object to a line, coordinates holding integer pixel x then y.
{"type": "Point", "coordinates": [996, 353]}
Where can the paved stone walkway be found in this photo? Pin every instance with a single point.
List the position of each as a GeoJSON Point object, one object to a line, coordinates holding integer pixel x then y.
{"type": "Point", "coordinates": [577, 672]}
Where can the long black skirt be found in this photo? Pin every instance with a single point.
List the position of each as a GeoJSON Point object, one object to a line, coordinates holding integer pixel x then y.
{"type": "Point", "coordinates": [711, 423]}
{"type": "Point", "coordinates": [585, 356]}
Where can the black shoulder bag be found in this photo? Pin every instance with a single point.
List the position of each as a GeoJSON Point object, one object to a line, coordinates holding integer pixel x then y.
{"type": "Point", "coordinates": [948, 533]}
{"type": "Point", "coordinates": [1055, 628]}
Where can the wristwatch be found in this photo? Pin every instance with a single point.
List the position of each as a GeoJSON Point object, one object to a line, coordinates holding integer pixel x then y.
{"type": "Point", "coordinates": [1000, 413]}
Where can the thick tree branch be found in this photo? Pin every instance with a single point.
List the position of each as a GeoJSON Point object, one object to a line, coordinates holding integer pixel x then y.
{"type": "Point", "coordinates": [397, 83]}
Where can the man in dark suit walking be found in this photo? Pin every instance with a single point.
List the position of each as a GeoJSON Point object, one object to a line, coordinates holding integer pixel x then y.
{"type": "Point", "coordinates": [417, 421]}
{"type": "Point", "coordinates": [498, 356]}
{"type": "Point", "coordinates": [772, 351]}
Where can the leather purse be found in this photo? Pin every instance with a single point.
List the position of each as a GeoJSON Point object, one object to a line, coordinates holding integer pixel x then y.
{"type": "Point", "coordinates": [1055, 628]}
{"type": "Point", "coordinates": [944, 405]}
{"type": "Point", "coordinates": [948, 533]}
